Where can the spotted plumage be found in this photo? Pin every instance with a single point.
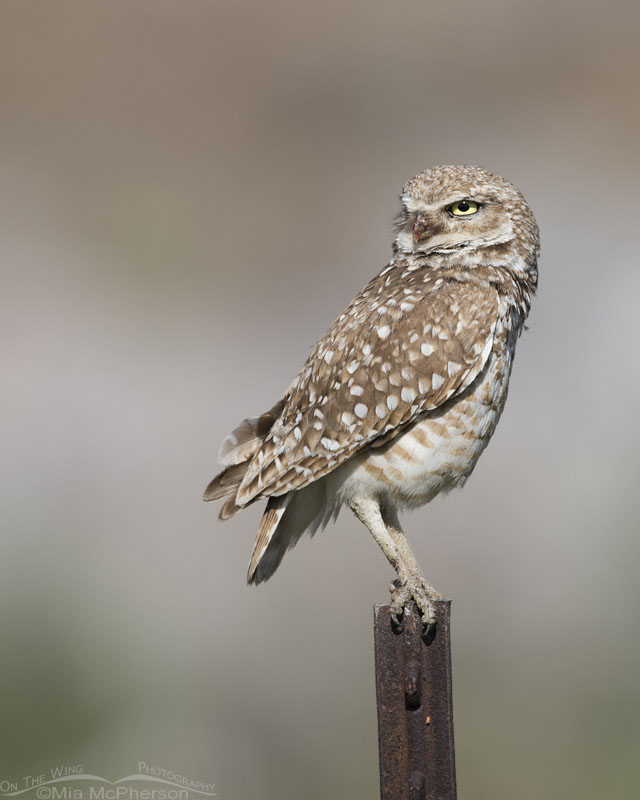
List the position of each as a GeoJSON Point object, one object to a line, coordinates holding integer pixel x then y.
{"type": "Point", "coordinates": [401, 395]}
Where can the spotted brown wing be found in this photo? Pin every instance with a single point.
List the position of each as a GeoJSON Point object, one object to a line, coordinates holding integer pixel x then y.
{"type": "Point", "coordinates": [393, 355]}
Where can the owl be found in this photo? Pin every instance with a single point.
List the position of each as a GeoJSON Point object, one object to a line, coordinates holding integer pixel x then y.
{"type": "Point", "coordinates": [403, 392]}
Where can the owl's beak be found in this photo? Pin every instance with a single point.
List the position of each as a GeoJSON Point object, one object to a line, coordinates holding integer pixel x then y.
{"type": "Point", "coordinates": [420, 227]}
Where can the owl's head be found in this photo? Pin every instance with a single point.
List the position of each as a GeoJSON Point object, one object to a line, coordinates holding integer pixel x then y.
{"type": "Point", "coordinates": [471, 215]}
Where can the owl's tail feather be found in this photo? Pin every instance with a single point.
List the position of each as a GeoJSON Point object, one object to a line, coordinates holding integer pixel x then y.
{"type": "Point", "coordinates": [225, 482]}
{"type": "Point", "coordinates": [284, 521]}
{"type": "Point", "coordinates": [236, 451]}
{"type": "Point", "coordinates": [244, 441]}
{"type": "Point", "coordinates": [285, 518]}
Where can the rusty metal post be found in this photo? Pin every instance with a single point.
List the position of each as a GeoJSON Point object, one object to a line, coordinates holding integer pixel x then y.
{"type": "Point", "coordinates": [415, 707]}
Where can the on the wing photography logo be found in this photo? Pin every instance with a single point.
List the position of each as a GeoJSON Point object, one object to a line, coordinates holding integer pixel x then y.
{"type": "Point", "coordinates": [71, 782]}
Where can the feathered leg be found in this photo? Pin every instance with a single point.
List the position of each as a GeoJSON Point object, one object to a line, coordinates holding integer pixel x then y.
{"type": "Point", "coordinates": [411, 583]}
{"type": "Point", "coordinates": [401, 591]}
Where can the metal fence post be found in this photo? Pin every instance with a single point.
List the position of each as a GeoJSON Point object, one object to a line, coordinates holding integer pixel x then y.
{"type": "Point", "coordinates": [415, 707]}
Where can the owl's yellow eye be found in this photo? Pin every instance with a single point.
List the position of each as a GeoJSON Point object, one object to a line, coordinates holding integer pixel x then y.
{"type": "Point", "coordinates": [463, 208]}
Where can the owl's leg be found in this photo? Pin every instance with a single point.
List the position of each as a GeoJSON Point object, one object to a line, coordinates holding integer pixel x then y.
{"type": "Point", "coordinates": [392, 524]}
{"type": "Point", "coordinates": [402, 590]}
{"type": "Point", "coordinates": [411, 582]}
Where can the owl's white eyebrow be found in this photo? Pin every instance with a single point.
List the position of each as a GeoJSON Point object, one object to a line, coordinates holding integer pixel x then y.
{"type": "Point", "coordinates": [456, 198]}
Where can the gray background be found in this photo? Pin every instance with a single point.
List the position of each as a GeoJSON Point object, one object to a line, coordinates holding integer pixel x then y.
{"type": "Point", "coordinates": [190, 192]}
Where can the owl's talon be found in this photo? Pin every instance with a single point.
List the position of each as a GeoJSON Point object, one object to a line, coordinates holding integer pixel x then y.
{"type": "Point", "coordinates": [397, 623]}
{"type": "Point", "coordinates": [415, 587]}
{"type": "Point", "coordinates": [429, 632]}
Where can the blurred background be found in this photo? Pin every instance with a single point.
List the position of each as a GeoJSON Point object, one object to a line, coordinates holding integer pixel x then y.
{"type": "Point", "coordinates": [190, 192]}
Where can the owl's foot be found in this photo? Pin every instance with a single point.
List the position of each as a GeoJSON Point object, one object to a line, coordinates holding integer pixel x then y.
{"type": "Point", "coordinates": [414, 587]}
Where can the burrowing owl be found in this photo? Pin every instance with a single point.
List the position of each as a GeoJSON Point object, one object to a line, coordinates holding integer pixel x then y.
{"type": "Point", "coordinates": [402, 394]}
